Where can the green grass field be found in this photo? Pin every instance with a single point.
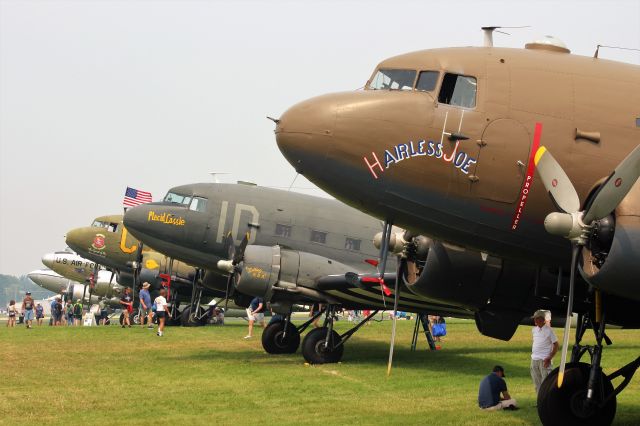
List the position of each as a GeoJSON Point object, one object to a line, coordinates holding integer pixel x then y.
{"type": "Point", "coordinates": [204, 375]}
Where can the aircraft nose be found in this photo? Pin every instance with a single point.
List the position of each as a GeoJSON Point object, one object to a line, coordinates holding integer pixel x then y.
{"type": "Point", "coordinates": [48, 260]}
{"type": "Point", "coordinates": [305, 130]}
{"type": "Point", "coordinates": [75, 239]}
{"type": "Point", "coordinates": [135, 220]}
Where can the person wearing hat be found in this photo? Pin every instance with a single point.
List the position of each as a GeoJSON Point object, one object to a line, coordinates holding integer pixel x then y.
{"type": "Point", "coordinates": [544, 348]}
{"type": "Point", "coordinates": [491, 388]}
{"type": "Point", "coordinates": [27, 309]}
{"type": "Point", "coordinates": [145, 305]}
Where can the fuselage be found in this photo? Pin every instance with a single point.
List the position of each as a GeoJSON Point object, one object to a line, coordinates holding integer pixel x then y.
{"type": "Point", "coordinates": [322, 226]}
{"type": "Point", "coordinates": [454, 161]}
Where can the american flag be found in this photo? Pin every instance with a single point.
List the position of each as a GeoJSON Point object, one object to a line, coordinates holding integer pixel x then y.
{"type": "Point", "coordinates": [134, 197]}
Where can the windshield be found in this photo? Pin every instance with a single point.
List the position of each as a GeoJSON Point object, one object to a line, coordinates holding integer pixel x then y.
{"type": "Point", "coordinates": [393, 80]}
{"type": "Point", "coordinates": [172, 197]}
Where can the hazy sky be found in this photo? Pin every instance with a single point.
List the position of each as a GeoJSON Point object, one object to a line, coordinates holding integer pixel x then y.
{"type": "Point", "coordinates": [98, 95]}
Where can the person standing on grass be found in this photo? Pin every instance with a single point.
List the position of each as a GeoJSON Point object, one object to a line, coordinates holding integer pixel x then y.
{"type": "Point", "coordinates": [545, 346]}
{"type": "Point", "coordinates": [39, 314]}
{"type": "Point", "coordinates": [77, 312]}
{"type": "Point", "coordinates": [491, 387]}
{"type": "Point", "coordinates": [56, 312]}
{"type": "Point", "coordinates": [145, 305]}
{"type": "Point", "coordinates": [12, 312]}
{"type": "Point", "coordinates": [255, 312]}
{"type": "Point", "coordinates": [162, 311]}
{"type": "Point", "coordinates": [27, 309]}
{"type": "Point", "coordinates": [68, 311]}
{"type": "Point", "coordinates": [126, 301]}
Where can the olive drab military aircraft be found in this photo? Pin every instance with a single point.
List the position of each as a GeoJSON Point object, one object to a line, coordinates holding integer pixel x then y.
{"type": "Point", "coordinates": [286, 247]}
{"type": "Point", "coordinates": [107, 242]}
{"type": "Point", "coordinates": [521, 165]}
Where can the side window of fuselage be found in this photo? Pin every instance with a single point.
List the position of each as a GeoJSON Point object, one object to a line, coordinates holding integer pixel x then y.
{"type": "Point", "coordinates": [352, 244]}
{"type": "Point", "coordinates": [458, 90]}
{"type": "Point", "coordinates": [283, 230]}
{"type": "Point", "coordinates": [319, 237]}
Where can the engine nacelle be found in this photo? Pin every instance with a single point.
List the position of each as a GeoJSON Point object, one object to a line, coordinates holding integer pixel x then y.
{"type": "Point", "coordinates": [613, 265]}
{"type": "Point", "coordinates": [106, 287]}
{"type": "Point", "coordinates": [457, 276]}
{"type": "Point", "coordinates": [266, 270]}
{"type": "Point", "coordinates": [500, 293]}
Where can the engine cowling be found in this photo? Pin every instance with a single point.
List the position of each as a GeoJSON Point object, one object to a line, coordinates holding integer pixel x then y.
{"type": "Point", "coordinates": [500, 293]}
{"type": "Point", "coordinates": [106, 287]}
{"type": "Point", "coordinates": [610, 263]}
{"type": "Point", "coordinates": [276, 274]}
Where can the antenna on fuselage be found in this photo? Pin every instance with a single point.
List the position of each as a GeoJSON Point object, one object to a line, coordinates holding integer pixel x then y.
{"type": "Point", "coordinates": [612, 47]}
{"type": "Point", "coordinates": [488, 33]}
{"type": "Point", "coordinates": [214, 175]}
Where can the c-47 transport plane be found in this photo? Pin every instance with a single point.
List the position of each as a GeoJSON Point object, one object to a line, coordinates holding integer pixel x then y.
{"type": "Point", "coordinates": [72, 290]}
{"type": "Point", "coordinates": [107, 242]}
{"type": "Point", "coordinates": [504, 154]}
{"type": "Point", "coordinates": [299, 250]}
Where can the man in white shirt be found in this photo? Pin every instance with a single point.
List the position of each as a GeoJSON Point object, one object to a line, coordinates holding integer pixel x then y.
{"type": "Point", "coordinates": [545, 346]}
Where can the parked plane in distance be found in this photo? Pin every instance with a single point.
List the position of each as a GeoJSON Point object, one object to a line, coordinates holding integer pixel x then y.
{"type": "Point", "coordinates": [72, 290]}
{"type": "Point", "coordinates": [107, 242]}
{"type": "Point", "coordinates": [449, 143]}
{"type": "Point", "coordinates": [299, 249]}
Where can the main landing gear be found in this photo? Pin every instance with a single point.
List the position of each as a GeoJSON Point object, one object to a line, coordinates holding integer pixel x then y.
{"type": "Point", "coordinates": [282, 337]}
{"type": "Point", "coordinates": [324, 345]}
{"type": "Point", "coordinates": [587, 396]}
{"type": "Point", "coordinates": [193, 315]}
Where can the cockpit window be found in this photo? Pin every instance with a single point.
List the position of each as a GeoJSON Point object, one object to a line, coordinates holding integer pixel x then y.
{"type": "Point", "coordinates": [427, 81]}
{"type": "Point", "coordinates": [198, 204]}
{"type": "Point", "coordinates": [393, 80]}
{"type": "Point", "coordinates": [172, 197]}
{"type": "Point", "coordinates": [109, 226]}
{"type": "Point", "coordinates": [458, 90]}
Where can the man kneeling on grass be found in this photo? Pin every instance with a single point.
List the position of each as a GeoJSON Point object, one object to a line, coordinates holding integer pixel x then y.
{"type": "Point", "coordinates": [489, 397]}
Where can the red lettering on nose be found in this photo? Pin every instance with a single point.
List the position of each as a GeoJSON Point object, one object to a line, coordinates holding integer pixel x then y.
{"type": "Point", "coordinates": [372, 165]}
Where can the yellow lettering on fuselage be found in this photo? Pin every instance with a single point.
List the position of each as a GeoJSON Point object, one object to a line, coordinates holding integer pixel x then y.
{"type": "Point", "coordinates": [167, 218]}
{"type": "Point", "coordinates": [123, 239]}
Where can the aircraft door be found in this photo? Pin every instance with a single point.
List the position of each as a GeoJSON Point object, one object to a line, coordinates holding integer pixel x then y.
{"type": "Point", "coordinates": [502, 161]}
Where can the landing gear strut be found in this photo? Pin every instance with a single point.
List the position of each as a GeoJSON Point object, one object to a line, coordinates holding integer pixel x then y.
{"type": "Point", "coordinates": [324, 345]}
{"type": "Point", "coordinates": [193, 315]}
{"type": "Point", "coordinates": [587, 396]}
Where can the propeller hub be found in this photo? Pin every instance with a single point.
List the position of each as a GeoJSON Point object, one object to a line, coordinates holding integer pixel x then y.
{"type": "Point", "coordinates": [226, 265]}
{"type": "Point", "coordinates": [567, 225]}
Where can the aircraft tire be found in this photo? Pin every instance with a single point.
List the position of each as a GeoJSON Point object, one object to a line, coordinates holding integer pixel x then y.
{"type": "Point", "coordinates": [313, 349]}
{"type": "Point", "coordinates": [186, 319]}
{"type": "Point", "coordinates": [272, 340]}
{"type": "Point", "coordinates": [564, 406]}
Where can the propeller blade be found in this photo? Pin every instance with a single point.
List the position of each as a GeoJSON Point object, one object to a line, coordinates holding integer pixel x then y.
{"type": "Point", "coordinates": [575, 252]}
{"type": "Point", "coordinates": [396, 295]}
{"type": "Point", "coordinates": [230, 290]}
{"type": "Point", "coordinates": [229, 246]}
{"type": "Point", "coordinates": [615, 188]}
{"type": "Point", "coordinates": [239, 254]}
{"type": "Point", "coordinates": [556, 181]}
